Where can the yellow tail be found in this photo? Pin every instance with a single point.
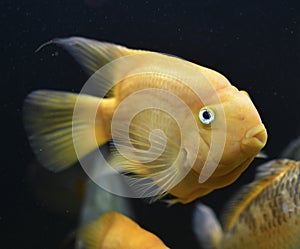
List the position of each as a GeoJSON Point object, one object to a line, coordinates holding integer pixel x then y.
{"type": "Point", "coordinates": [53, 127]}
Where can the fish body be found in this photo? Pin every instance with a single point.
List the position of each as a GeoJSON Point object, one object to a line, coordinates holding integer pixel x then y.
{"type": "Point", "coordinates": [116, 231]}
{"type": "Point", "coordinates": [181, 125]}
{"type": "Point", "coordinates": [266, 214]}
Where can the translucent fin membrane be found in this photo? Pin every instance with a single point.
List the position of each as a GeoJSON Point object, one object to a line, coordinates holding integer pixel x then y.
{"type": "Point", "coordinates": [51, 128]}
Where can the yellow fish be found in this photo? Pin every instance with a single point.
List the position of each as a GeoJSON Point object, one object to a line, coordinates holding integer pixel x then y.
{"type": "Point", "coordinates": [266, 214]}
{"type": "Point", "coordinates": [115, 231]}
{"type": "Point", "coordinates": [177, 127]}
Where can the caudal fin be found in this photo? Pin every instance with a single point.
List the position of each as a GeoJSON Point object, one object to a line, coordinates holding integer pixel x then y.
{"type": "Point", "coordinates": [52, 128]}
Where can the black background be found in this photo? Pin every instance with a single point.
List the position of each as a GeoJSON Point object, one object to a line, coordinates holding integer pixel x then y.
{"type": "Point", "coordinates": [254, 44]}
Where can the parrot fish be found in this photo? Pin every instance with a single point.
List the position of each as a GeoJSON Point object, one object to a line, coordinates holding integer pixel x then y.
{"type": "Point", "coordinates": [116, 231]}
{"type": "Point", "coordinates": [265, 214]}
{"type": "Point", "coordinates": [175, 127]}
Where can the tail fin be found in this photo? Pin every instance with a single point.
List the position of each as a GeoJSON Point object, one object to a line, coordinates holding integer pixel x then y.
{"type": "Point", "coordinates": [52, 127]}
{"type": "Point", "coordinates": [206, 227]}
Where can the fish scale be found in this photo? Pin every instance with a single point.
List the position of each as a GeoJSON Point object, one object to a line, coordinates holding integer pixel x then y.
{"type": "Point", "coordinates": [274, 213]}
{"type": "Point", "coordinates": [264, 215]}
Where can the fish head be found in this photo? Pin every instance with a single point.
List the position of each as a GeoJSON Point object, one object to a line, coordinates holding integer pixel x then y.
{"type": "Point", "coordinates": [246, 135]}
{"type": "Point", "coordinates": [232, 138]}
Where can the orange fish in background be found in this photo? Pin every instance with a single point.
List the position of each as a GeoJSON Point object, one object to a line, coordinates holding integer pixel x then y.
{"type": "Point", "coordinates": [115, 231]}
{"type": "Point", "coordinates": [215, 138]}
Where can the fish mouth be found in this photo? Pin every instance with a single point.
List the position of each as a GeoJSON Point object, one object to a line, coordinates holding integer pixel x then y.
{"type": "Point", "coordinates": [255, 138]}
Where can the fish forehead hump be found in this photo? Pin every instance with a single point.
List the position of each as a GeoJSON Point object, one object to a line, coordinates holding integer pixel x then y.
{"type": "Point", "coordinates": [149, 81]}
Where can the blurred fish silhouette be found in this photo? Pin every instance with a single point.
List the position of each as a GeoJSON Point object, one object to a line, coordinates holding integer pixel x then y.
{"type": "Point", "coordinates": [177, 158]}
{"type": "Point", "coordinates": [264, 215]}
{"type": "Point", "coordinates": [98, 201]}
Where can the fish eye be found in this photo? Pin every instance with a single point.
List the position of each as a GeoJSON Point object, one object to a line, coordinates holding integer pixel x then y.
{"type": "Point", "coordinates": [206, 116]}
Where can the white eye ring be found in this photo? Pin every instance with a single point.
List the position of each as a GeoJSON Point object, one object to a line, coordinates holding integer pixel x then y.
{"type": "Point", "coordinates": [206, 116]}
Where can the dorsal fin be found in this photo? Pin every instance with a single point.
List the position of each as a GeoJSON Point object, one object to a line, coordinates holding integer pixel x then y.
{"type": "Point", "coordinates": [92, 54]}
{"type": "Point", "coordinates": [266, 175]}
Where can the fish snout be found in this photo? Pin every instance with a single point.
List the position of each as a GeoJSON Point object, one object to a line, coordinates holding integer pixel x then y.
{"type": "Point", "coordinates": [255, 139]}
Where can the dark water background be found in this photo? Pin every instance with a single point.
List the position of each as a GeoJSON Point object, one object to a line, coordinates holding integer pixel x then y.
{"type": "Point", "coordinates": [254, 44]}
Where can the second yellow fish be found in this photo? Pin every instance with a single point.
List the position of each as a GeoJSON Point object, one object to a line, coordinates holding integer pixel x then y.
{"type": "Point", "coordinates": [185, 131]}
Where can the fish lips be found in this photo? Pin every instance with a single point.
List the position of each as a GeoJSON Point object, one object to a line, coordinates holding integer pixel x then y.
{"type": "Point", "coordinates": [255, 139]}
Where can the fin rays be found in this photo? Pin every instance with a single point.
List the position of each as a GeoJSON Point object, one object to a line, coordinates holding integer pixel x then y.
{"type": "Point", "coordinates": [51, 127]}
{"type": "Point", "coordinates": [92, 54]}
